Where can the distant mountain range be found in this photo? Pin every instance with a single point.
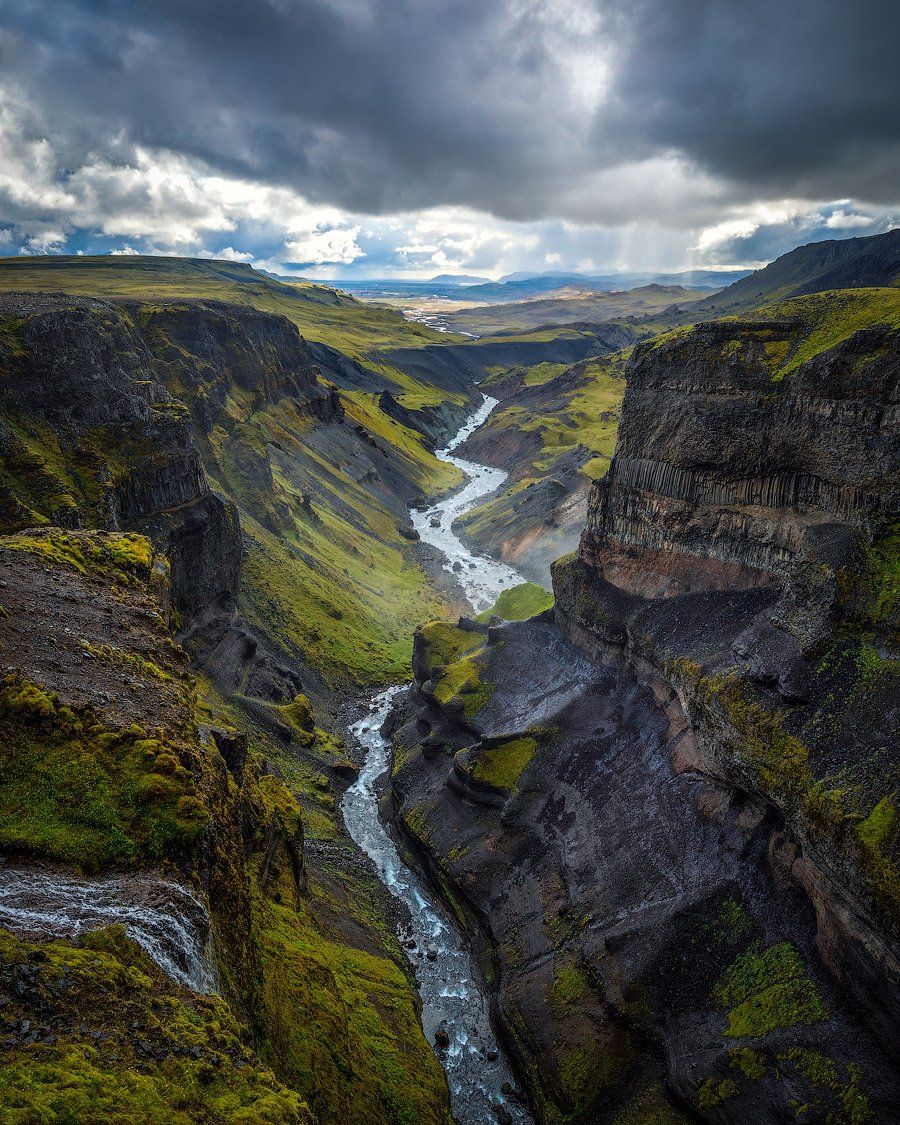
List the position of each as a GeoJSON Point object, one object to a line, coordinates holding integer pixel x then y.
{"type": "Point", "coordinates": [521, 286]}
{"type": "Point", "coordinates": [457, 279]}
{"type": "Point", "coordinates": [569, 305]}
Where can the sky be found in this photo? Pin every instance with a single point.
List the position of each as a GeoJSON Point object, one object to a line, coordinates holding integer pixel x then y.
{"type": "Point", "coordinates": [380, 138]}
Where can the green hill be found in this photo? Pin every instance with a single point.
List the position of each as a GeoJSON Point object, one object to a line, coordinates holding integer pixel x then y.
{"type": "Point", "coordinates": [322, 314]}
{"type": "Point", "coordinates": [850, 263]}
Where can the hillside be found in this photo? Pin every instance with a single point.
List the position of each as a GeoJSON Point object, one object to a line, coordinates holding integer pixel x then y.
{"type": "Point", "coordinates": [850, 263]}
{"type": "Point", "coordinates": [322, 314]}
{"type": "Point", "coordinates": [554, 432]}
{"type": "Point", "coordinates": [177, 477]}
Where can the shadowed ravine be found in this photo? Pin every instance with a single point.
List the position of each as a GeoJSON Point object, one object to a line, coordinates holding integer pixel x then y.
{"type": "Point", "coordinates": [452, 996]}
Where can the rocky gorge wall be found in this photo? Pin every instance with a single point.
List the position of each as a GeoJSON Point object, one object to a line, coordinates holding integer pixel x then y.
{"type": "Point", "coordinates": [202, 426]}
{"type": "Point", "coordinates": [722, 470]}
{"type": "Point", "coordinates": [669, 814]}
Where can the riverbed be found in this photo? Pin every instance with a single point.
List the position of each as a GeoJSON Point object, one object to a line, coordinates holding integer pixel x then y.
{"type": "Point", "coordinates": [454, 1005]}
{"type": "Point", "coordinates": [482, 578]}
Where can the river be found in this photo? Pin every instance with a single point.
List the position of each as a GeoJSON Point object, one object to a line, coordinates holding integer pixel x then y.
{"type": "Point", "coordinates": [482, 1088]}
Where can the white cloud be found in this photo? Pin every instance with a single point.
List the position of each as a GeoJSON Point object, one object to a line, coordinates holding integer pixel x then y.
{"type": "Point", "coordinates": [332, 245]}
{"type": "Point", "coordinates": [844, 218]}
{"type": "Point", "coordinates": [227, 254]}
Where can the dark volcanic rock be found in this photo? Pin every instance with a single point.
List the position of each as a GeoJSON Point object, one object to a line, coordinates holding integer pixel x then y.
{"type": "Point", "coordinates": [720, 473]}
{"type": "Point", "coordinates": [660, 831]}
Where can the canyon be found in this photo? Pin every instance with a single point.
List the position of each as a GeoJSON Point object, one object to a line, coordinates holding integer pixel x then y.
{"type": "Point", "coordinates": [649, 817]}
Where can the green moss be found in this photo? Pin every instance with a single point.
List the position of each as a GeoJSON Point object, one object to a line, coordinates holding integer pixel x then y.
{"type": "Point", "coordinates": [463, 681]}
{"type": "Point", "coordinates": [878, 836]}
{"type": "Point", "coordinates": [779, 764]}
{"type": "Point", "coordinates": [455, 660]}
{"type": "Point", "coordinates": [124, 658]}
{"type": "Point", "coordinates": [502, 765]}
{"type": "Point", "coordinates": [299, 714]}
{"type": "Point", "coordinates": [838, 1100]}
{"type": "Point", "coordinates": [570, 985]}
{"type": "Point", "coordinates": [11, 336]}
{"type": "Point", "coordinates": [445, 643]}
{"type": "Point", "coordinates": [280, 805]}
{"type": "Point", "coordinates": [714, 1091]}
{"type": "Point", "coordinates": [871, 594]}
{"type": "Point", "coordinates": [345, 604]}
{"type": "Point", "coordinates": [357, 1049]}
{"type": "Point", "coordinates": [764, 990]}
{"type": "Point", "coordinates": [591, 1066]}
{"type": "Point", "coordinates": [422, 468]}
{"type": "Point", "coordinates": [749, 1062]}
{"type": "Point", "coordinates": [76, 790]}
{"type": "Point", "coordinates": [106, 982]}
{"type": "Point", "coordinates": [122, 557]}
{"type": "Point", "coordinates": [327, 573]}
{"type": "Point", "coordinates": [829, 318]}
{"type": "Point", "coordinates": [780, 760]}
{"type": "Point", "coordinates": [36, 480]}
{"type": "Point", "coordinates": [542, 373]}
{"type": "Point", "coordinates": [519, 603]}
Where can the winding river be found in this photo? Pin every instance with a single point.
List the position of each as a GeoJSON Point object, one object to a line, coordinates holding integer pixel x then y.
{"type": "Point", "coordinates": [454, 1006]}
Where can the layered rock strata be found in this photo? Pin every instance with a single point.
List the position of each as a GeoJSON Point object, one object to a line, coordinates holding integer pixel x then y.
{"type": "Point", "coordinates": [677, 839]}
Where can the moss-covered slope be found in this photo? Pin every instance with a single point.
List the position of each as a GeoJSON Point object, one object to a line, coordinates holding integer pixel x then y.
{"type": "Point", "coordinates": [110, 758]}
{"type": "Point", "coordinates": [555, 431]}
{"type": "Point", "coordinates": [279, 508]}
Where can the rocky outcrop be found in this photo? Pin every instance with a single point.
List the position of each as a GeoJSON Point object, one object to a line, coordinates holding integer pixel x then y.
{"type": "Point", "coordinates": [670, 816]}
{"type": "Point", "coordinates": [102, 406]}
{"type": "Point", "coordinates": [721, 475]}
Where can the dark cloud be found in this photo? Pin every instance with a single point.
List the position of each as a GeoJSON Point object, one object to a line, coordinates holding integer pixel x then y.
{"type": "Point", "coordinates": [798, 98]}
{"type": "Point", "coordinates": [402, 104]}
{"type": "Point", "coordinates": [375, 107]}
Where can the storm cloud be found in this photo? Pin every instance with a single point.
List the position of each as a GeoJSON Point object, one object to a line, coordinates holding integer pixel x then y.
{"type": "Point", "coordinates": [317, 124]}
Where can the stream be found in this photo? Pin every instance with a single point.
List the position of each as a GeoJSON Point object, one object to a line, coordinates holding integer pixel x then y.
{"type": "Point", "coordinates": [482, 1087]}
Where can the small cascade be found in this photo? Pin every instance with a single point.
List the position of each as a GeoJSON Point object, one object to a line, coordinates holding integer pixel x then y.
{"type": "Point", "coordinates": [163, 917]}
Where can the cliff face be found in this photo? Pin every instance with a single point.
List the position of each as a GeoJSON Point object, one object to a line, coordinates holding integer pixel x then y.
{"type": "Point", "coordinates": [678, 838]}
{"type": "Point", "coordinates": [723, 474]}
{"type": "Point", "coordinates": [206, 427]}
{"type": "Point", "coordinates": [788, 491]}
{"type": "Point", "coordinates": [93, 437]}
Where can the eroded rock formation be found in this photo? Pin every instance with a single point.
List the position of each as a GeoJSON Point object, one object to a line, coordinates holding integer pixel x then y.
{"type": "Point", "coordinates": [668, 812]}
